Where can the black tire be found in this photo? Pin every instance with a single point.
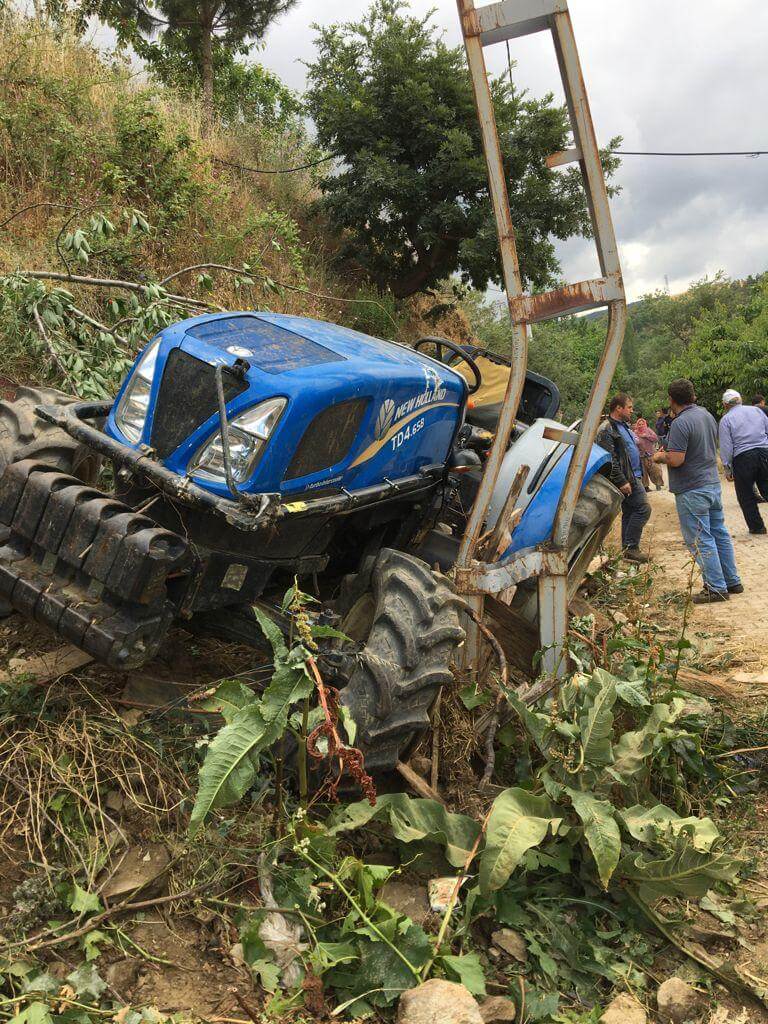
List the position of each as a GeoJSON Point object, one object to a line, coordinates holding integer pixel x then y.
{"type": "Point", "coordinates": [597, 507]}
{"type": "Point", "coordinates": [409, 619]}
{"type": "Point", "coordinates": [23, 435]}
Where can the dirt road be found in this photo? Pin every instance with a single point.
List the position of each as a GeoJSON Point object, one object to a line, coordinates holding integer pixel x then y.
{"type": "Point", "coordinates": [741, 625]}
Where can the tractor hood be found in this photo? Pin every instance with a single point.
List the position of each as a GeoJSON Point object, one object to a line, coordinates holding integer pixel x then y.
{"type": "Point", "coordinates": [353, 409]}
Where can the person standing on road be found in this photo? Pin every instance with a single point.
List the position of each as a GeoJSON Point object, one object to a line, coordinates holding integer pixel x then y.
{"type": "Point", "coordinates": [691, 455]}
{"type": "Point", "coordinates": [627, 474]}
{"type": "Point", "coordinates": [663, 422]}
{"type": "Point", "coordinates": [647, 441]}
{"type": "Point", "coordinates": [759, 401]}
{"type": "Point", "coordinates": [744, 453]}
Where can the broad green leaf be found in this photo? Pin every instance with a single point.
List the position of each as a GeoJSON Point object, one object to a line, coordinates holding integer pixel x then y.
{"type": "Point", "coordinates": [83, 902]}
{"type": "Point", "coordinates": [87, 982]}
{"type": "Point", "coordinates": [536, 724]}
{"type": "Point", "coordinates": [232, 696]}
{"type": "Point", "coordinates": [90, 942]}
{"type": "Point", "coordinates": [472, 697]}
{"type": "Point", "coordinates": [600, 831]}
{"type": "Point", "coordinates": [44, 983]}
{"type": "Point", "coordinates": [329, 954]}
{"type": "Point", "coordinates": [633, 748]}
{"type": "Point", "coordinates": [518, 821]}
{"type": "Point", "coordinates": [34, 1013]}
{"type": "Point", "coordinates": [268, 974]}
{"type": "Point", "coordinates": [413, 820]}
{"type": "Point", "coordinates": [231, 765]}
{"type": "Point", "coordinates": [468, 970]}
{"type": "Point", "coordinates": [596, 720]}
{"type": "Point", "coordinates": [649, 824]}
{"type": "Point", "coordinates": [633, 692]}
{"type": "Point", "coordinates": [381, 975]}
{"type": "Point", "coordinates": [273, 633]}
{"type": "Point", "coordinates": [683, 872]}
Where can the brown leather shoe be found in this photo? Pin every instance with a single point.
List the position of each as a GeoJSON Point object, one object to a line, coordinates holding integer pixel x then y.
{"type": "Point", "coordinates": [635, 555]}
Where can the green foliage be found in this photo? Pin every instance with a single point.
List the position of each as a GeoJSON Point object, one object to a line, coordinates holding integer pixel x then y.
{"type": "Point", "coordinates": [714, 334]}
{"type": "Point", "coordinates": [727, 348]}
{"type": "Point", "coordinates": [411, 198]}
{"type": "Point", "coordinates": [232, 762]}
{"type": "Point", "coordinates": [146, 164]}
{"type": "Point", "coordinates": [413, 821]}
{"type": "Point", "coordinates": [190, 29]}
{"type": "Point", "coordinates": [243, 94]}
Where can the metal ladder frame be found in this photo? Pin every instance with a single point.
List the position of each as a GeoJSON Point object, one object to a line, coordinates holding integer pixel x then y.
{"type": "Point", "coordinates": [481, 27]}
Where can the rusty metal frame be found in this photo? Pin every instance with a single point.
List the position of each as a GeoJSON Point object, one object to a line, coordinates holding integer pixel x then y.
{"type": "Point", "coordinates": [482, 26]}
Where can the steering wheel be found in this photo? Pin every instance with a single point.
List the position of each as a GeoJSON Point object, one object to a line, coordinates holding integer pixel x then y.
{"type": "Point", "coordinates": [440, 344]}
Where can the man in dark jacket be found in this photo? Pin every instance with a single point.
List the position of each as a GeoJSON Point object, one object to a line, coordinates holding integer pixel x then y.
{"type": "Point", "coordinates": [627, 474]}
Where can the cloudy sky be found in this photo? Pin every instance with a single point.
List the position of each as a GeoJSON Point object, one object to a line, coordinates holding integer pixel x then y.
{"type": "Point", "coordinates": [664, 74]}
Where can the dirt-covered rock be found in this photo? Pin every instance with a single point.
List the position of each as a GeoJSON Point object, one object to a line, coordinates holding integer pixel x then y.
{"type": "Point", "coordinates": [438, 1002]}
{"type": "Point", "coordinates": [512, 943]}
{"type": "Point", "coordinates": [498, 1009]}
{"type": "Point", "coordinates": [677, 1001]}
{"type": "Point", "coordinates": [624, 1009]}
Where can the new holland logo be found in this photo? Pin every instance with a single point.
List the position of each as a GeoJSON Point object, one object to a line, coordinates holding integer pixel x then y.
{"type": "Point", "coordinates": [385, 417]}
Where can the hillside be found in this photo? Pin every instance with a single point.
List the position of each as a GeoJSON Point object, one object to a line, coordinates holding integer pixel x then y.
{"type": "Point", "coordinates": [105, 175]}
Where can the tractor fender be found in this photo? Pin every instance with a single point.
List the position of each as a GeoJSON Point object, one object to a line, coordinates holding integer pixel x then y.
{"type": "Point", "coordinates": [548, 463]}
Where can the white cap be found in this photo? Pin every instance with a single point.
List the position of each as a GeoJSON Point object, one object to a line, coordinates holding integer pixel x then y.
{"type": "Point", "coordinates": [730, 396]}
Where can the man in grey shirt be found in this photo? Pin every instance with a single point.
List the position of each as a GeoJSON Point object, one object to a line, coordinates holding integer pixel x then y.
{"type": "Point", "coordinates": [691, 455]}
{"type": "Point", "coordinates": [744, 451]}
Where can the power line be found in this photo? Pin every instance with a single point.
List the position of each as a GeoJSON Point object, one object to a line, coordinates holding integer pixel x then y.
{"type": "Point", "coordinates": [722, 152]}
{"type": "Point", "coordinates": [619, 152]}
{"type": "Point", "coordinates": [277, 170]}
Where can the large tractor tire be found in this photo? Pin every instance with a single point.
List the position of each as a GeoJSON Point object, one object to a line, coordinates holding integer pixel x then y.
{"type": "Point", "coordinates": [407, 622]}
{"type": "Point", "coordinates": [23, 435]}
{"type": "Point", "coordinates": [593, 516]}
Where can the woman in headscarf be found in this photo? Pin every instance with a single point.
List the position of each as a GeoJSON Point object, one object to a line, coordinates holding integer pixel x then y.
{"type": "Point", "coordinates": [647, 441]}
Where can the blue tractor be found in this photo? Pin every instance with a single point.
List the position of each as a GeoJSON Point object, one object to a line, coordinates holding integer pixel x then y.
{"type": "Point", "coordinates": [246, 449]}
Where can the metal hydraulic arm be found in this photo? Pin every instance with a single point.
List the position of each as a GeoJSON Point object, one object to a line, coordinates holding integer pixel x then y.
{"type": "Point", "coordinates": [481, 27]}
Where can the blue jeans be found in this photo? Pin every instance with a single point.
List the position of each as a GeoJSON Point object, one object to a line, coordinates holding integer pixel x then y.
{"type": "Point", "coordinates": [704, 531]}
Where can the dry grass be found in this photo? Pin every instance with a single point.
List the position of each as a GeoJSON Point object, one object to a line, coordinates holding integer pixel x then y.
{"type": "Point", "coordinates": [66, 779]}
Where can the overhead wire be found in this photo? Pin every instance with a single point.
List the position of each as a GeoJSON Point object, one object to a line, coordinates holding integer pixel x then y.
{"type": "Point", "coordinates": [618, 152]}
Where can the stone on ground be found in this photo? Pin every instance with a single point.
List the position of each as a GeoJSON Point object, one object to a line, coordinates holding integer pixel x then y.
{"type": "Point", "coordinates": [497, 1009]}
{"type": "Point", "coordinates": [677, 1001]}
{"type": "Point", "coordinates": [512, 943]}
{"type": "Point", "coordinates": [624, 1009]}
{"type": "Point", "coordinates": [438, 1002]}
{"type": "Point", "coordinates": [143, 868]}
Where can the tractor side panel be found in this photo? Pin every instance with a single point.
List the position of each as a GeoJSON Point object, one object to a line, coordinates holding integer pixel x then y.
{"type": "Point", "coordinates": [535, 527]}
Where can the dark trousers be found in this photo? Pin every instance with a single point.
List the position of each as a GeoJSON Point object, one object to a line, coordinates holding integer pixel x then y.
{"type": "Point", "coordinates": [751, 468]}
{"type": "Point", "coordinates": [635, 513]}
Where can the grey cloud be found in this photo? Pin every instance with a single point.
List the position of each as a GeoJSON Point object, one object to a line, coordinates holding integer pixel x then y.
{"type": "Point", "coordinates": [686, 74]}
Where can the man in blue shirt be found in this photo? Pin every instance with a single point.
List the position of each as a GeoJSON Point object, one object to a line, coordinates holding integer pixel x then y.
{"type": "Point", "coordinates": [744, 453]}
{"type": "Point", "coordinates": [691, 454]}
{"type": "Point", "coordinates": [626, 473]}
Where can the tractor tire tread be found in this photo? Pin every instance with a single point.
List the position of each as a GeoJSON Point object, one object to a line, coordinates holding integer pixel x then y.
{"type": "Point", "coordinates": [406, 659]}
{"type": "Point", "coordinates": [24, 435]}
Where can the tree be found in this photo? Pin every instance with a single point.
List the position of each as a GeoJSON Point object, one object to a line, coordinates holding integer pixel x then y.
{"type": "Point", "coordinates": [198, 28]}
{"type": "Point", "coordinates": [411, 199]}
{"type": "Point", "coordinates": [728, 349]}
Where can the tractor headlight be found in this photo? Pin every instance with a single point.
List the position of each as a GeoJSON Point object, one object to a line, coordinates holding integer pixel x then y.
{"type": "Point", "coordinates": [248, 434]}
{"type": "Point", "coordinates": [132, 411]}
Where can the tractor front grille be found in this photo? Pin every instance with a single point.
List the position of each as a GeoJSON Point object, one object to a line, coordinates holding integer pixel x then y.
{"type": "Point", "coordinates": [187, 398]}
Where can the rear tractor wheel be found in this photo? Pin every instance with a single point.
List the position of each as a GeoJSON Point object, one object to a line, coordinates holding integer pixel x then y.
{"type": "Point", "coordinates": [407, 622]}
{"type": "Point", "coordinates": [24, 435]}
{"type": "Point", "coordinates": [593, 516]}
